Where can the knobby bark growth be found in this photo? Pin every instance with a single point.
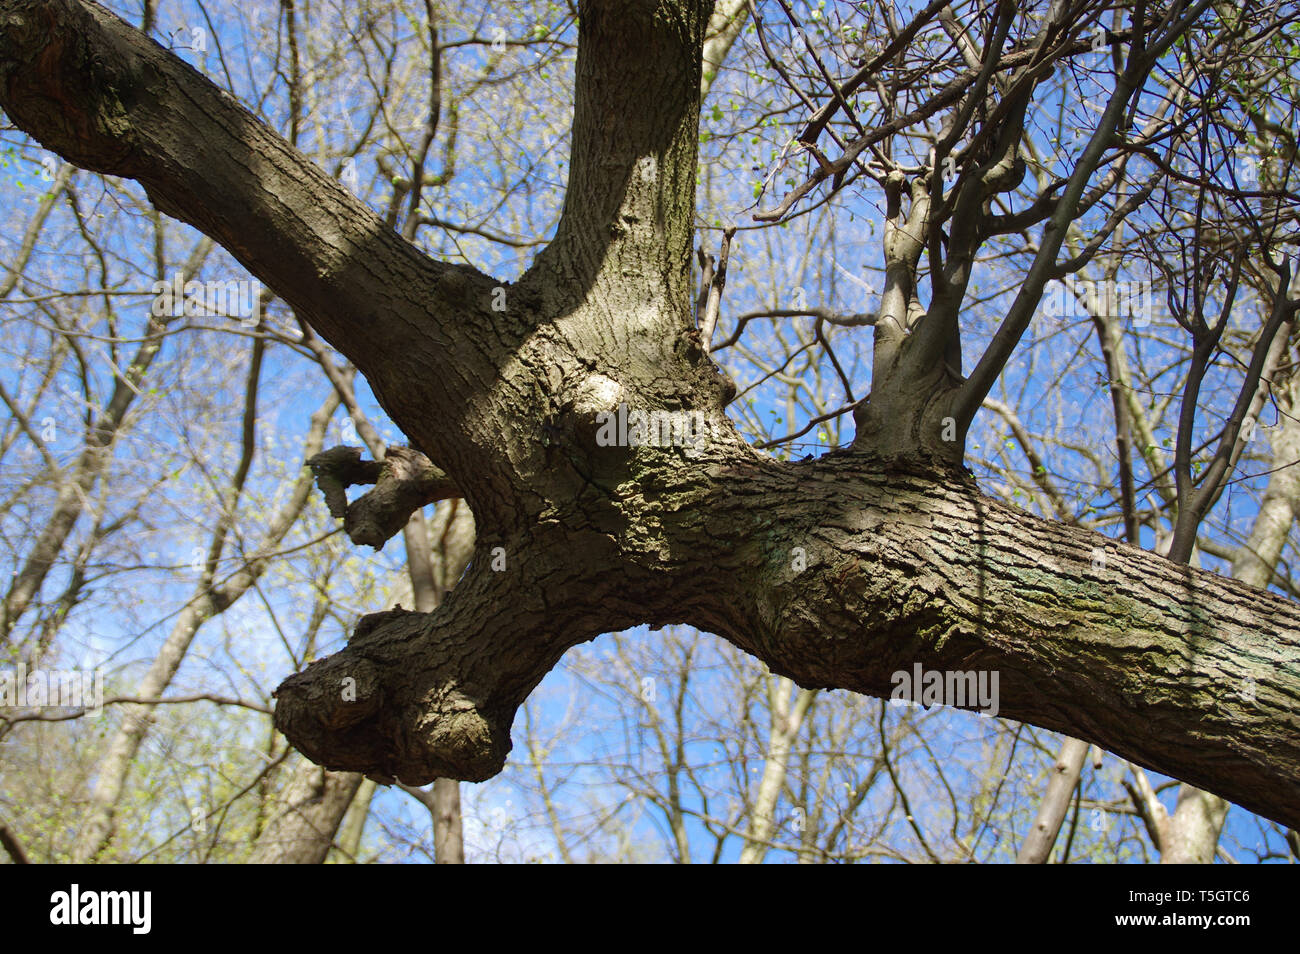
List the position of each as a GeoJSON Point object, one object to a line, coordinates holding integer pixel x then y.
{"type": "Point", "coordinates": [836, 572]}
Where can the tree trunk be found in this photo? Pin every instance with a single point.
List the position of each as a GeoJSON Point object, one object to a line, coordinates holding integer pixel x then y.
{"type": "Point", "coordinates": [836, 572]}
{"type": "Point", "coordinates": [1192, 832]}
{"type": "Point", "coordinates": [787, 720]}
{"type": "Point", "coordinates": [443, 803]}
{"type": "Point", "coordinates": [354, 821]}
{"type": "Point", "coordinates": [302, 832]}
{"type": "Point", "coordinates": [1055, 804]}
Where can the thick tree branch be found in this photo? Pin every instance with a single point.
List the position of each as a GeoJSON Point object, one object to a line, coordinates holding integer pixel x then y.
{"type": "Point", "coordinates": [892, 569]}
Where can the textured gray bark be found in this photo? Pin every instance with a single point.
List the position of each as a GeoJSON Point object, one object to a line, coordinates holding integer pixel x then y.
{"type": "Point", "coordinates": [1190, 834]}
{"type": "Point", "coordinates": [906, 561]}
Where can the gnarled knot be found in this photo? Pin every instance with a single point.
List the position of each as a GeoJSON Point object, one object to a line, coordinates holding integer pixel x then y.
{"type": "Point", "coordinates": [352, 713]}
{"type": "Point", "coordinates": [405, 480]}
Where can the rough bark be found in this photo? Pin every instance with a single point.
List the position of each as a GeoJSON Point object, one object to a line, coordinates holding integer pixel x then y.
{"type": "Point", "coordinates": [1190, 834]}
{"type": "Point", "coordinates": [901, 568]}
{"type": "Point", "coordinates": [436, 554]}
{"type": "Point", "coordinates": [906, 561]}
{"type": "Point", "coordinates": [404, 482]}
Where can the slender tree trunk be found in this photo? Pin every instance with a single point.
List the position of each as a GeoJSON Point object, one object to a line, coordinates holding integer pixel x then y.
{"type": "Point", "coordinates": [787, 721]}
{"type": "Point", "coordinates": [728, 19]}
{"type": "Point", "coordinates": [1191, 833]}
{"type": "Point", "coordinates": [354, 822]}
{"type": "Point", "coordinates": [435, 559]}
{"type": "Point", "coordinates": [448, 832]}
{"type": "Point", "coordinates": [448, 838]}
{"type": "Point", "coordinates": [312, 807]}
{"type": "Point", "coordinates": [1055, 804]}
{"type": "Point", "coordinates": [432, 573]}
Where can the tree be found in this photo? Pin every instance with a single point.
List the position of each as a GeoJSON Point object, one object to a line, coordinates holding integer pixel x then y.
{"type": "Point", "coordinates": [837, 571]}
